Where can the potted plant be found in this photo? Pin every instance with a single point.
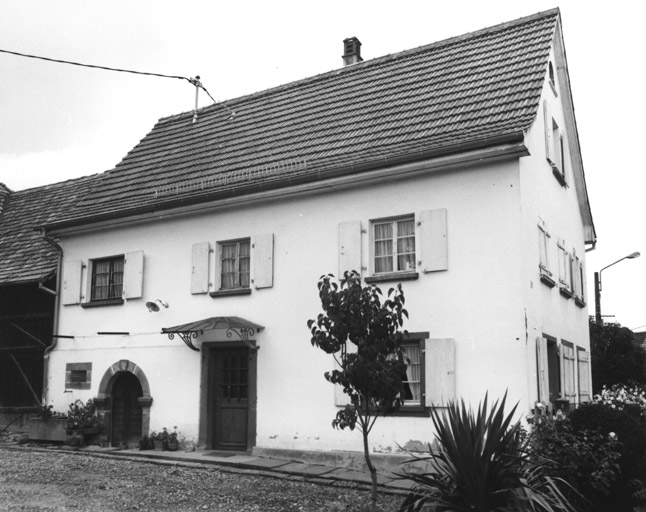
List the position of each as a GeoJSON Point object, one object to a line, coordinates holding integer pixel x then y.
{"type": "Point", "coordinates": [146, 443]}
{"type": "Point", "coordinates": [82, 418]}
{"type": "Point", "coordinates": [173, 441]}
{"type": "Point", "coordinates": [165, 440]}
{"type": "Point", "coordinates": [160, 439]}
{"type": "Point", "coordinates": [48, 425]}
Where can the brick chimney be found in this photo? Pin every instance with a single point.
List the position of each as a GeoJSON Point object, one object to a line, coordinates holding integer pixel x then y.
{"type": "Point", "coordinates": [351, 51]}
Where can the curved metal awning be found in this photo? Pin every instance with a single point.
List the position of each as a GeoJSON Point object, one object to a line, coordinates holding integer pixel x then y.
{"type": "Point", "coordinates": [244, 329]}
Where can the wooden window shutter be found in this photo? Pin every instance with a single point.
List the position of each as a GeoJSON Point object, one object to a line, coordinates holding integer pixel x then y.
{"type": "Point", "coordinates": [563, 262]}
{"type": "Point", "coordinates": [340, 398]}
{"type": "Point", "coordinates": [549, 141]}
{"type": "Point", "coordinates": [567, 372]}
{"type": "Point", "coordinates": [542, 370]}
{"type": "Point", "coordinates": [262, 252]}
{"type": "Point", "coordinates": [200, 268]}
{"type": "Point", "coordinates": [434, 241]}
{"type": "Point", "coordinates": [349, 247]}
{"type": "Point", "coordinates": [584, 375]}
{"type": "Point", "coordinates": [439, 359]}
{"type": "Point", "coordinates": [133, 275]}
{"type": "Point", "coordinates": [71, 290]}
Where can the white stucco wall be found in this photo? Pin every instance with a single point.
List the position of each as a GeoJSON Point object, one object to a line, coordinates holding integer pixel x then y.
{"type": "Point", "coordinates": [477, 301]}
{"type": "Point", "coordinates": [545, 199]}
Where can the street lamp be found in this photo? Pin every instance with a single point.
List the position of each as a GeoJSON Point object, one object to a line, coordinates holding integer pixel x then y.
{"type": "Point", "coordinates": [597, 285]}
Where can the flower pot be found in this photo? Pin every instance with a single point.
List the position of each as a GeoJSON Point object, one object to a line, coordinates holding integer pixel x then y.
{"type": "Point", "coordinates": [173, 446]}
{"type": "Point", "coordinates": [161, 445]}
{"type": "Point", "coordinates": [50, 429]}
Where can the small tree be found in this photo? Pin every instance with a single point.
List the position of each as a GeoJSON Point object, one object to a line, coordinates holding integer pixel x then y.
{"type": "Point", "coordinates": [372, 375]}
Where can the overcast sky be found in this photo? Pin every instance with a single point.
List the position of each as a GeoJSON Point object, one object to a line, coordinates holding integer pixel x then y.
{"type": "Point", "coordinates": [59, 121]}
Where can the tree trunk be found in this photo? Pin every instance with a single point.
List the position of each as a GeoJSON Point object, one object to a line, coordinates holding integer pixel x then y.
{"type": "Point", "coordinates": [373, 472]}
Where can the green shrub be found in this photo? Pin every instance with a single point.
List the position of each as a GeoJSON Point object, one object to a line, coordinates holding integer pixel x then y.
{"type": "Point", "coordinates": [588, 460]}
{"type": "Point", "coordinates": [608, 420]}
{"type": "Point", "coordinates": [483, 463]}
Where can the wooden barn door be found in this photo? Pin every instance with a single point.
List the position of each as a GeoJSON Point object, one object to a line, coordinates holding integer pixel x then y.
{"type": "Point", "coordinates": [126, 410]}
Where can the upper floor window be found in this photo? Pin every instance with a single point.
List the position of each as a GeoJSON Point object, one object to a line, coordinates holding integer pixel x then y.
{"type": "Point", "coordinates": [394, 245]}
{"type": "Point", "coordinates": [107, 278]}
{"type": "Point", "coordinates": [552, 78]}
{"type": "Point", "coordinates": [554, 145]}
{"type": "Point", "coordinates": [235, 264]}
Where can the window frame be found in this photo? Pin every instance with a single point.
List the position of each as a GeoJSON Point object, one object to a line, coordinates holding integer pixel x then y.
{"type": "Point", "coordinates": [395, 272]}
{"type": "Point", "coordinates": [94, 263]}
{"type": "Point", "coordinates": [417, 339]}
{"type": "Point", "coordinates": [72, 368]}
{"type": "Point", "coordinates": [419, 344]}
{"type": "Point", "coordinates": [238, 273]}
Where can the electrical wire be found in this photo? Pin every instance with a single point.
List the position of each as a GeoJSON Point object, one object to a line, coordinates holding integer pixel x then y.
{"type": "Point", "coordinates": [193, 81]}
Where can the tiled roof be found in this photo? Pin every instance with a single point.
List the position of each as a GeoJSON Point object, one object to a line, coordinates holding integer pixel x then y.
{"type": "Point", "coordinates": [24, 255]}
{"type": "Point", "coordinates": [472, 88]}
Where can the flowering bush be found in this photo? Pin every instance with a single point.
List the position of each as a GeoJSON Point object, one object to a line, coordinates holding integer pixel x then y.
{"type": "Point", "coordinates": [618, 395]}
{"type": "Point", "coordinates": [588, 460]}
{"type": "Point", "coordinates": [82, 416]}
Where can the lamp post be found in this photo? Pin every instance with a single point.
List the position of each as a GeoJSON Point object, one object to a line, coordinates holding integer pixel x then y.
{"type": "Point", "coordinates": [597, 285]}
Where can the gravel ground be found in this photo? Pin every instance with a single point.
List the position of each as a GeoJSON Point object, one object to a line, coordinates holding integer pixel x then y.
{"type": "Point", "coordinates": [57, 480]}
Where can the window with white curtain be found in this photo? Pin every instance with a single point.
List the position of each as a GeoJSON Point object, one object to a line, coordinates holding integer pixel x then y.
{"type": "Point", "coordinates": [394, 245]}
{"type": "Point", "coordinates": [235, 264]}
{"type": "Point", "coordinates": [107, 278]}
{"type": "Point", "coordinates": [413, 384]}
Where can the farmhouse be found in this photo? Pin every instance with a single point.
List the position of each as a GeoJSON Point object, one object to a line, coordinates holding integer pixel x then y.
{"type": "Point", "coordinates": [189, 271]}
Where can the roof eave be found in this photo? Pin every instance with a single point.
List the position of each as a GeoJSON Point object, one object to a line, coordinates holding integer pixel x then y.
{"type": "Point", "coordinates": [514, 140]}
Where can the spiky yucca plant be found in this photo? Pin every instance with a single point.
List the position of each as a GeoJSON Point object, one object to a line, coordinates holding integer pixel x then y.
{"type": "Point", "coordinates": [481, 464]}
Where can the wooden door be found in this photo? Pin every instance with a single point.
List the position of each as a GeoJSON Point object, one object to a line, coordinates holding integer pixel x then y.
{"type": "Point", "coordinates": [126, 410]}
{"type": "Point", "coordinates": [231, 393]}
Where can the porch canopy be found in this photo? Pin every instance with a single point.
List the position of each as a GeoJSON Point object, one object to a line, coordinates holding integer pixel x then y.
{"type": "Point", "coordinates": [242, 328]}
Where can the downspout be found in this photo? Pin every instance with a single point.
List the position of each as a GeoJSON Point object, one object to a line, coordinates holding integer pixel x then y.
{"type": "Point", "coordinates": [57, 300]}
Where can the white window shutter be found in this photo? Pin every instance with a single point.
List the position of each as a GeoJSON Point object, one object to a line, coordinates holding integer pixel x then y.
{"type": "Point", "coordinates": [200, 268]}
{"type": "Point", "coordinates": [133, 275]}
{"type": "Point", "coordinates": [439, 373]}
{"type": "Point", "coordinates": [349, 247]}
{"type": "Point", "coordinates": [542, 369]}
{"type": "Point", "coordinates": [262, 249]}
{"type": "Point", "coordinates": [340, 398]}
{"type": "Point", "coordinates": [217, 285]}
{"type": "Point", "coordinates": [71, 289]}
{"type": "Point", "coordinates": [567, 372]}
{"type": "Point", "coordinates": [562, 261]}
{"type": "Point", "coordinates": [434, 241]}
{"type": "Point", "coordinates": [549, 142]}
{"type": "Point", "coordinates": [584, 375]}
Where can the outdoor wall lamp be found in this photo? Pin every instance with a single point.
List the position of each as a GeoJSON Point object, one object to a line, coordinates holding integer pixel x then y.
{"type": "Point", "coordinates": [153, 307]}
{"type": "Point", "coordinates": [597, 285]}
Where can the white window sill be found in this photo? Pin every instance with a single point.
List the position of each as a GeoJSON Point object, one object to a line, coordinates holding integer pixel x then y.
{"type": "Point", "coordinates": [392, 276]}
{"type": "Point", "coordinates": [547, 280]}
{"type": "Point", "coordinates": [230, 292]}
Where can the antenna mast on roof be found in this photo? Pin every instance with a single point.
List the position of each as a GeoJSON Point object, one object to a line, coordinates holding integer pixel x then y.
{"type": "Point", "coordinates": [196, 82]}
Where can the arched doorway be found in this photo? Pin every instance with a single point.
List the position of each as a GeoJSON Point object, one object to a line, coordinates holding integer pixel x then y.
{"type": "Point", "coordinates": [126, 409]}
{"type": "Point", "coordinates": [123, 403]}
